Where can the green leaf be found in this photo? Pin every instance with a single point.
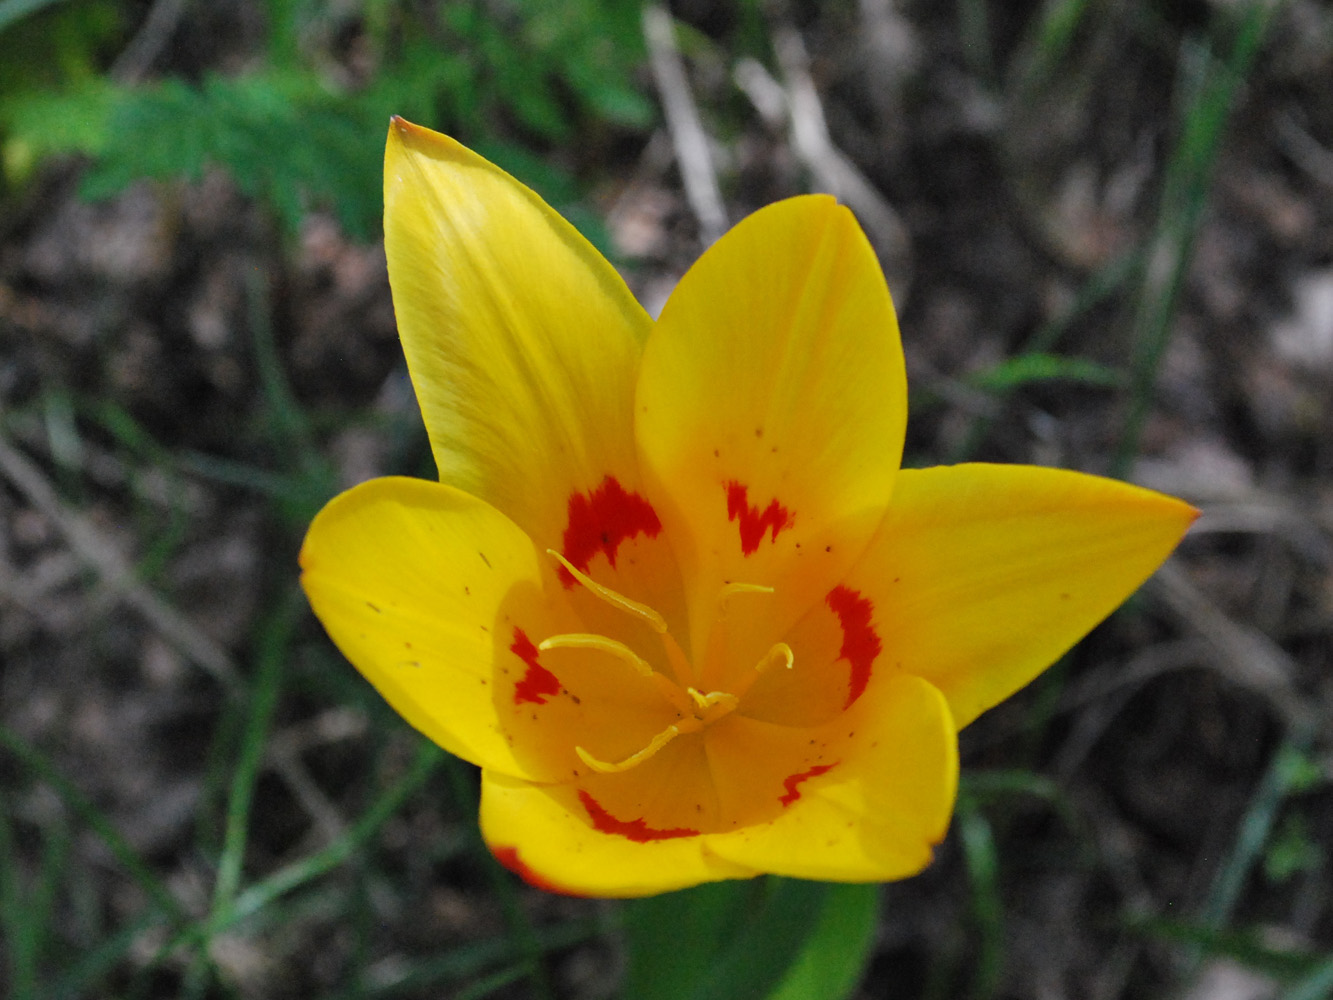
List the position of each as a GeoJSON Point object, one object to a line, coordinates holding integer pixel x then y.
{"type": "Point", "coordinates": [722, 941]}
{"type": "Point", "coordinates": [1292, 851]}
{"type": "Point", "coordinates": [282, 137]}
{"type": "Point", "coordinates": [674, 938]}
{"type": "Point", "coordinates": [1025, 369]}
{"type": "Point", "coordinates": [834, 958]}
{"type": "Point", "coordinates": [983, 870]}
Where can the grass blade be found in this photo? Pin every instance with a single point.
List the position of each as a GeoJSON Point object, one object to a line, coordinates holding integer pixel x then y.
{"type": "Point", "coordinates": [1206, 91]}
{"type": "Point", "coordinates": [834, 959]}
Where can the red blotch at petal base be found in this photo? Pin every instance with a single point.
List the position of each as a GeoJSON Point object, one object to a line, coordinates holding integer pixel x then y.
{"type": "Point", "coordinates": [509, 857]}
{"type": "Point", "coordinates": [537, 683]}
{"type": "Point", "coordinates": [792, 782]}
{"type": "Point", "coordinates": [860, 642]}
{"type": "Point", "coordinates": [600, 520]}
{"type": "Point", "coordinates": [754, 522]}
{"type": "Point", "coordinates": [636, 829]}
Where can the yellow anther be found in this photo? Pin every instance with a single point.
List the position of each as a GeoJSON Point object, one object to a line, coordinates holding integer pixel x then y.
{"type": "Point", "coordinates": [585, 640]}
{"type": "Point", "coordinates": [602, 644]}
{"type": "Point", "coordinates": [640, 611]}
{"type": "Point", "coordinates": [730, 590]}
{"type": "Point", "coordinates": [780, 652]}
{"type": "Point", "coordinates": [633, 760]}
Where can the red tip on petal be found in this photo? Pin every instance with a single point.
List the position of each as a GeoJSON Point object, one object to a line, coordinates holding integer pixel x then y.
{"type": "Point", "coordinates": [860, 642]}
{"type": "Point", "coordinates": [509, 857]}
{"type": "Point", "coordinates": [600, 520]}
{"type": "Point", "coordinates": [636, 829]}
{"type": "Point", "coordinates": [792, 782]}
{"type": "Point", "coordinates": [753, 521]}
{"type": "Point", "coordinates": [537, 683]}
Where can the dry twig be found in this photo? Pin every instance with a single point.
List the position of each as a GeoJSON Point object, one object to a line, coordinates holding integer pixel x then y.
{"type": "Point", "coordinates": [115, 571]}
{"type": "Point", "coordinates": [158, 27]}
{"type": "Point", "coordinates": [1241, 653]}
{"type": "Point", "coordinates": [830, 168]}
{"type": "Point", "coordinates": [687, 131]}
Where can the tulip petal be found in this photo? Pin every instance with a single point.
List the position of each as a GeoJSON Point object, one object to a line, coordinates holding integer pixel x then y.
{"type": "Point", "coordinates": [522, 341]}
{"type": "Point", "coordinates": [408, 578]}
{"type": "Point", "coordinates": [565, 842]}
{"type": "Point", "coordinates": [771, 408]}
{"type": "Point", "coordinates": [878, 813]}
{"type": "Point", "coordinates": [982, 575]}
{"type": "Point", "coordinates": [442, 602]}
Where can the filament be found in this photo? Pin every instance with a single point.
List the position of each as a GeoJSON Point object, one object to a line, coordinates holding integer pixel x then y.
{"type": "Point", "coordinates": [634, 760]}
{"type": "Point", "coordinates": [640, 611]}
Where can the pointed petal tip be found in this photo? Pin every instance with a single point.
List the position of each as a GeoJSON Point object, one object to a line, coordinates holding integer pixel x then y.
{"type": "Point", "coordinates": [400, 129]}
{"type": "Point", "coordinates": [1171, 508]}
{"type": "Point", "coordinates": [401, 126]}
{"type": "Point", "coordinates": [810, 205]}
{"type": "Point", "coordinates": [405, 133]}
{"type": "Point", "coordinates": [407, 139]}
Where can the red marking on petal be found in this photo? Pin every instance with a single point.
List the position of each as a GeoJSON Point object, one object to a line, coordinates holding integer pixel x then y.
{"type": "Point", "coordinates": [538, 683]}
{"type": "Point", "coordinates": [753, 521]}
{"type": "Point", "coordinates": [860, 642]}
{"type": "Point", "coordinates": [509, 857]}
{"type": "Point", "coordinates": [636, 829]}
{"type": "Point", "coordinates": [600, 520]}
{"type": "Point", "coordinates": [792, 781]}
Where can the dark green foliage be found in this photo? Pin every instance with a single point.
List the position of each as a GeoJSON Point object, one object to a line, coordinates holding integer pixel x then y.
{"type": "Point", "coordinates": [282, 139]}
{"type": "Point", "coordinates": [288, 136]}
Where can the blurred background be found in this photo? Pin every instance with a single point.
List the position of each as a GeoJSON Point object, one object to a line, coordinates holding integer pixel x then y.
{"type": "Point", "coordinates": [1108, 227]}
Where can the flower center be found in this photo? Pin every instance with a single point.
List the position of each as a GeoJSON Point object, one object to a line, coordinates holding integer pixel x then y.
{"type": "Point", "coordinates": [695, 709]}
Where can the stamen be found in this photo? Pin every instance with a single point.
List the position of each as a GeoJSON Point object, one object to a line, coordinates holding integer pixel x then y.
{"type": "Point", "coordinates": [640, 611]}
{"type": "Point", "coordinates": [633, 760]}
{"type": "Point", "coordinates": [680, 663]}
{"type": "Point", "coordinates": [603, 644]}
{"type": "Point", "coordinates": [730, 590]}
{"type": "Point", "coordinates": [715, 660]}
{"type": "Point", "coordinates": [780, 652]}
{"type": "Point", "coordinates": [585, 640]}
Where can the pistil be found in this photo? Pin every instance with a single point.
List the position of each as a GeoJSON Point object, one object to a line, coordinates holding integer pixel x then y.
{"type": "Point", "coordinates": [707, 709]}
{"type": "Point", "coordinates": [696, 709]}
{"type": "Point", "coordinates": [712, 706]}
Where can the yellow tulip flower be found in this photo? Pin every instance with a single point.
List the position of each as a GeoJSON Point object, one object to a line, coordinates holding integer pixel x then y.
{"type": "Point", "coordinates": [673, 593]}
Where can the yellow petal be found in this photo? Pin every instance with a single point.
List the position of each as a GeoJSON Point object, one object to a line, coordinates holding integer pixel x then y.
{"type": "Point", "coordinates": [832, 664]}
{"type": "Point", "coordinates": [522, 341]}
{"type": "Point", "coordinates": [982, 575]}
{"type": "Point", "coordinates": [671, 790]}
{"type": "Point", "coordinates": [760, 769]}
{"type": "Point", "coordinates": [877, 814]}
{"type": "Point", "coordinates": [551, 836]}
{"type": "Point", "coordinates": [408, 578]}
{"type": "Point", "coordinates": [771, 408]}
{"type": "Point", "coordinates": [444, 604]}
